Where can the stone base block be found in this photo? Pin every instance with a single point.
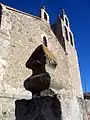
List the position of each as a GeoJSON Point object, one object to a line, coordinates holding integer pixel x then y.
{"type": "Point", "coordinates": [39, 108]}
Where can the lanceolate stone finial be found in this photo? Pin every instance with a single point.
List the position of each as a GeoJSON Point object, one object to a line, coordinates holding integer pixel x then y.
{"type": "Point", "coordinates": [63, 12]}
{"type": "Point", "coordinates": [43, 7]}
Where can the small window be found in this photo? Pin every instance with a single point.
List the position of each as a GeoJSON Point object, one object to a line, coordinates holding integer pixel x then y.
{"type": "Point", "coordinates": [66, 33]}
{"type": "Point", "coordinates": [71, 40]}
{"type": "Point", "coordinates": [0, 13]}
{"type": "Point", "coordinates": [45, 41]}
{"type": "Point", "coordinates": [66, 21]}
{"type": "Point", "coordinates": [45, 16]}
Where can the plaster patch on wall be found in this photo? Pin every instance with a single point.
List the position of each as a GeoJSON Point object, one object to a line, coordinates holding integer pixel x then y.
{"type": "Point", "coordinates": [2, 72]}
{"type": "Point", "coordinates": [3, 55]}
{"type": "Point", "coordinates": [5, 23]}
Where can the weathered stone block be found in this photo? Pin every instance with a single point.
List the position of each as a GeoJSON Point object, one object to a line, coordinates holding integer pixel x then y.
{"type": "Point", "coordinates": [39, 108]}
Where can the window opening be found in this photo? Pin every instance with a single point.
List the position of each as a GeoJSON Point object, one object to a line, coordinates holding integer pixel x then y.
{"type": "Point", "coordinates": [66, 21]}
{"type": "Point", "coordinates": [66, 33]}
{"type": "Point", "coordinates": [71, 39]}
{"type": "Point", "coordinates": [45, 16]}
{"type": "Point", "coordinates": [45, 41]}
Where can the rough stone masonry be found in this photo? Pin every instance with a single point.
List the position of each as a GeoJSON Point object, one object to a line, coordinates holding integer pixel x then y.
{"type": "Point", "coordinates": [20, 35]}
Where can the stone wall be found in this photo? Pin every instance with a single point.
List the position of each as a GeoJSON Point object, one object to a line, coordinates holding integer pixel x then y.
{"type": "Point", "coordinates": [87, 109]}
{"type": "Point", "coordinates": [74, 70]}
{"type": "Point", "coordinates": [20, 34]}
{"type": "Point", "coordinates": [26, 33]}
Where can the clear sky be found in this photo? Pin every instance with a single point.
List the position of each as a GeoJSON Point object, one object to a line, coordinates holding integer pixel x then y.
{"type": "Point", "coordinates": [78, 12]}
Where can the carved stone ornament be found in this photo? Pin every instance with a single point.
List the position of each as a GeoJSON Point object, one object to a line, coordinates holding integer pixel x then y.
{"type": "Point", "coordinates": [40, 79]}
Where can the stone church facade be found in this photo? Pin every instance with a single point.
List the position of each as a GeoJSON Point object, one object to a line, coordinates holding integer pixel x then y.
{"type": "Point", "coordinates": [20, 35]}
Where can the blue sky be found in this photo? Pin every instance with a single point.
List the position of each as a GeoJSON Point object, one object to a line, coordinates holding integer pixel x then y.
{"type": "Point", "coordinates": [78, 12]}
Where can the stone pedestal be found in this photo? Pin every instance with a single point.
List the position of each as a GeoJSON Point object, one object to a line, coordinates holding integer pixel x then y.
{"type": "Point", "coordinates": [43, 107]}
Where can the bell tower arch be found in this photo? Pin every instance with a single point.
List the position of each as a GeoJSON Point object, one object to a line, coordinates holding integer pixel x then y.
{"type": "Point", "coordinates": [44, 15]}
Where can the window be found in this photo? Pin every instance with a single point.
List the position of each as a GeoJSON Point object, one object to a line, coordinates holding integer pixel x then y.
{"type": "Point", "coordinates": [0, 13]}
{"type": "Point", "coordinates": [45, 41]}
{"type": "Point", "coordinates": [66, 33]}
{"type": "Point", "coordinates": [45, 16]}
{"type": "Point", "coordinates": [71, 40]}
{"type": "Point", "coordinates": [66, 21]}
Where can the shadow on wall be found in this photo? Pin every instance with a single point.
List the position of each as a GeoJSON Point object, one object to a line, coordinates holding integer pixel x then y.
{"type": "Point", "coordinates": [41, 108]}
